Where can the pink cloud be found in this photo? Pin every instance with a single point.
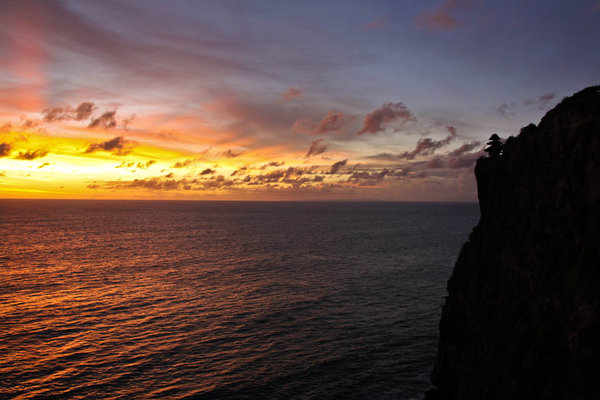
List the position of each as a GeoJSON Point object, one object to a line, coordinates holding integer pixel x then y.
{"type": "Point", "coordinates": [291, 93]}
{"type": "Point", "coordinates": [375, 24]}
{"type": "Point", "coordinates": [443, 16]}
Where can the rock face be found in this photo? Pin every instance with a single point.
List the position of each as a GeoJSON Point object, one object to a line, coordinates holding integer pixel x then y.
{"type": "Point", "coordinates": [521, 319]}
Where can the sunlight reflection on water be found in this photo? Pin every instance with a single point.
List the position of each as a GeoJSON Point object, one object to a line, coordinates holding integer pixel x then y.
{"type": "Point", "coordinates": [104, 299]}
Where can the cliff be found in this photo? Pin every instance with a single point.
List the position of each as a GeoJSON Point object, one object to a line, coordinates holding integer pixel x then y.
{"type": "Point", "coordinates": [521, 317]}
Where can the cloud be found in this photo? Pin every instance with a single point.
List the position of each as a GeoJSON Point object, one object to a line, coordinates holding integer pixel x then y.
{"type": "Point", "coordinates": [7, 127]}
{"type": "Point", "coordinates": [335, 167]}
{"type": "Point", "coordinates": [316, 147]}
{"type": "Point", "coordinates": [65, 112]}
{"type": "Point", "coordinates": [506, 110]}
{"type": "Point", "coordinates": [232, 154]}
{"type": "Point", "coordinates": [5, 149]}
{"type": "Point", "coordinates": [542, 102]}
{"type": "Point", "coordinates": [207, 171]}
{"type": "Point", "coordinates": [366, 178]}
{"type": "Point", "coordinates": [182, 164]}
{"type": "Point", "coordinates": [126, 164]}
{"type": "Point", "coordinates": [464, 161]}
{"type": "Point", "coordinates": [118, 146]}
{"type": "Point", "coordinates": [330, 123]}
{"type": "Point", "coordinates": [376, 120]}
{"type": "Point", "coordinates": [127, 121]}
{"type": "Point", "coordinates": [106, 120]}
{"type": "Point", "coordinates": [44, 165]}
{"type": "Point", "coordinates": [273, 164]}
{"type": "Point", "coordinates": [435, 162]}
{"type": "Point", "coordinates": [443, 16]}
{"type": "Point", "coordinates": [239, 171]}
{"type": "Point", "coordinates": [146, 165]}
{"type": "Point", "coordinates": [428, 146]}
{"type": "Point", "coordinates": [375, 24]}
{"type": "Point", "coordinates": [31, 155]}
{"type": "Point", "coordinates": [464, 148]}
{"type": "Point", "coordinates": [291, 93]}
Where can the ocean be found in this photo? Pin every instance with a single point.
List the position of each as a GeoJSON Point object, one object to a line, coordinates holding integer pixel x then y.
{"type": "Point", "coordinates": [223, 300]}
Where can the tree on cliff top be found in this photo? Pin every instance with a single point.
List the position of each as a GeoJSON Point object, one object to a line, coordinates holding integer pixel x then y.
{"type": "Point", "coordinates": [495, 146]}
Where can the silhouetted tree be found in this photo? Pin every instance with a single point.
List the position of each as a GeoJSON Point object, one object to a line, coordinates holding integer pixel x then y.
{"type": "Point", "coordinates": [495, 146]}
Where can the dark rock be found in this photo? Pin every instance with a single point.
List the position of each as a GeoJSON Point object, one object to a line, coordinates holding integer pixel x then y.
{"type": "Point", "coordinates": [521, 319]}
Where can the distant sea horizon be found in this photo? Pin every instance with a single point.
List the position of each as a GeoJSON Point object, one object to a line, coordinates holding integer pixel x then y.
{"type": "Point", "coordinates": [223, 299]}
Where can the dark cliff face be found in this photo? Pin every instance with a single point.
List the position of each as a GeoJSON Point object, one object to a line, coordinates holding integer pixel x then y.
{"type": "Point", "coordinates": [521, 319]}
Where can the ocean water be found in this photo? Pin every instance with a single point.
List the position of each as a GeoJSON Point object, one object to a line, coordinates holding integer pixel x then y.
{"type": "Point", "coordinates": [223, 300]}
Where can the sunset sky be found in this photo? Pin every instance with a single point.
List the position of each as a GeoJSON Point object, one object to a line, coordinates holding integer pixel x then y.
{"type": "Point", "coordinates": [276, 100]}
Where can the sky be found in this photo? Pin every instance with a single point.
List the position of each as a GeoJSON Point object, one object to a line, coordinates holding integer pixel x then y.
{"type": "Point", "coordinates": [276, 100]}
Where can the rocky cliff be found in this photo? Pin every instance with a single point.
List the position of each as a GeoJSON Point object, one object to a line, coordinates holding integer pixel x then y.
{"type": "Point", "coordinates": [521, 318]}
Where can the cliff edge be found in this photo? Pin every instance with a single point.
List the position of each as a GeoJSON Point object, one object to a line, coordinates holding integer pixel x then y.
{"type": "Point", "coordinates": [521, 318]}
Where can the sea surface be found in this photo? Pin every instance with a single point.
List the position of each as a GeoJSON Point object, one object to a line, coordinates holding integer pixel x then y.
{"type": "Point", "coordinates": [223, 300]}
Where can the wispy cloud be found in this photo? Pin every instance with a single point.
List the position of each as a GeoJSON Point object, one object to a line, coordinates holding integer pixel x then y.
{"type": "Point", "coordinates": [332, 122]}
{"type": "Point", "coordinates": [316, 147]}
{"type": "Point", "coordinates": [428, 146]}
{"type": "Point", "coordinates": [375, 24]}
{"type": "Point", "coordinates": [388, 113]}
{"type": "Point", "coordinates": [443, 16]}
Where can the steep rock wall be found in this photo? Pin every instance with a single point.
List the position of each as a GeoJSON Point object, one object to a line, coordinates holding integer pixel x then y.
{"type": "Point", "coordinates": [521, 318]}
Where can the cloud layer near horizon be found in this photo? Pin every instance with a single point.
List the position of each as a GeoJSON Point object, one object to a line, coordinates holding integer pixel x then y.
{"type": "Point", "coordinates": [377, 100]}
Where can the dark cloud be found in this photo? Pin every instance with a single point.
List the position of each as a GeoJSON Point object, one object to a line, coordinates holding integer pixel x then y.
{"type": "Point", "coordinates": [428, 146]}
{"type": "Point", "coordinates": [272, 164]}
{"type": "Point", "coordinates": [291, 93]}
{"type": "Point", "coordinates": [232, 154]}
{"type": "Point", "coordinates": [146, 165]}
{"type": "Point", "coordinates": [239, 170]}
{"type": "Point", "coordinates": [118, 146]}
{"type": "Point", "coordinates": [316, 147]}
{"type": "Point", "coordinates": [368, 178]}
{"type": "Point", "coordinates": [207, 171]}
{"type": "Point", "coordinates": [126, 164]}
{"type": "Point", "coordinates": [376, 120]}
{"type": "Point", "coordinates": [31, 155]}
{"type": "Point", "coordinates": [464, 148]}
{"type": "Point", "coordinates": [332, 122]}
{"type": "Point", "coordinates": [44, 165]}
{"type": "Point", "coordinates": [335, 167]}
{"type": "Point", "coordinates": [106, 120]}
{"type": "Point", "coordinates": [182, 164]}
{"type": "Point", "coordinates": [5, 149]}
{"type": "Point", "coordinates": [65, 112]}
{"type": "Point", "coordinates": [84, 111]}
